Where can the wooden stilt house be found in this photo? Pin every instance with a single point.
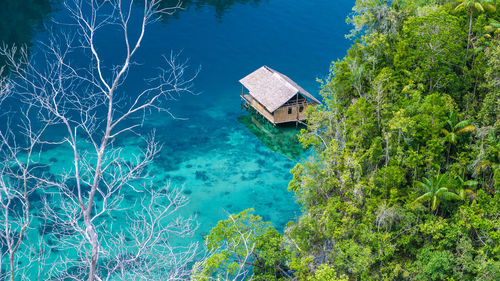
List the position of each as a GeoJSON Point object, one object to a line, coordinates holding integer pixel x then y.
{"type": "Point", "coordinates": [275, 96]}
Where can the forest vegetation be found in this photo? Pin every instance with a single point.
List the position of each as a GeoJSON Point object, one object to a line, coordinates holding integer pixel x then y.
{"type": "Point", "coordinates": [403, 180]}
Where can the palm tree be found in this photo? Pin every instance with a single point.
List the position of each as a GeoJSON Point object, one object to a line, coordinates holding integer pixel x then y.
{"type": "Point", "coordinates": [435, 191]}
{"type": "Point", "coordinates": [474, 5]}
{"type": "Point", "coordinates": [462, 189]}
{"type": "Point", "coordinates": [456, 128]}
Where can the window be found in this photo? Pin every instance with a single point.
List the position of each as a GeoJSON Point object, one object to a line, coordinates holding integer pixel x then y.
{"type": "Point", "coordinates": [301, 108]}
{"type": "Point", "coordinates": [289, 110]}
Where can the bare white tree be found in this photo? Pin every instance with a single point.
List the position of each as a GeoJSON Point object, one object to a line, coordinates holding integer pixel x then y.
{"type": "Point", "coordinates": [17, 184]}
{"type": "Point", "coordinates": [88, 107]}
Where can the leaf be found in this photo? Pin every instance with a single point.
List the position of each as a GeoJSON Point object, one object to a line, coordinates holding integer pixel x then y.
{"type": "Point", "coordinates": [422, 185]}
{"type": "Point", "coordinates": [443, 188]}
{"type": "Point", "coordinates": [453, 138]}
{"type": "Point", "coordinates": [466, 129]}
{"type": "Point", "coordinates": [423, 198]}
{"type": "Point", "coordinates": [470, 192]}
{"type": "Point", "coordinates": [461, 124]}
{"type": "Point", "coordinates": [460, 7]}
{"type": "Point", "coordinates": [443, 180]}
{"type": "Point", "coordinates": [450, 196]}
{"type": "Point", "coordinates": [479, 7]}
{"type": "Point", "coordinates": [461, 193]}
{"type": "Point", "coordinates": [470, 183]}
{"type": "Point", "coordinates": [490, 7]}
{"type": "Point", "coordinates": [428, 183]}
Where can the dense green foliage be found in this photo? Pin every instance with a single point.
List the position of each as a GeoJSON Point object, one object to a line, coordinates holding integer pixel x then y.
{"type": "Point", "coordinates": [243, 240]}
{"type": "Point", "coordinates": [403, 183]}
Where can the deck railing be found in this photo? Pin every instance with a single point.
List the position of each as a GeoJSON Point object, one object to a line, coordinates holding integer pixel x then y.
{"type": "Point", "coordinates": [288, 103]}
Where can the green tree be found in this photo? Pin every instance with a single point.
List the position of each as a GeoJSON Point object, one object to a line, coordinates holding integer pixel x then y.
{"type": "Point", "coordinates": [433, 264]}
{"type": "Point", "coordinates": [431, 45]}
{"type": "Point", "coordinates": [326, 273]}
{"type": "Point", "coordinates": [436, 190]}
{"type": "Point", "coordinates": [392, 106]}
{"type": "Point", "coordinates": [243, 247]}
{"type": "Point", "coordinates": [462, 187]}
{"type": "Point", "coordinates": [456, 128]}
{"type": "Point", "coordinates": [474, 5]}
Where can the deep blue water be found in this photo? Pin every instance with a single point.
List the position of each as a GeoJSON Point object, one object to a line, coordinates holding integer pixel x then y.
{"type": "Point", "coordinates": [223, 167]}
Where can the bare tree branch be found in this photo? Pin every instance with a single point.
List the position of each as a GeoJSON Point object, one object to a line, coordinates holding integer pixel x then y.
{"type": "Point", "coordinates": [88, 105]}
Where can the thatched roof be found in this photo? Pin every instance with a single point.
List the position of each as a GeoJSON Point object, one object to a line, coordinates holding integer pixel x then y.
{"type": "Point", "coordinates": [272, 89]}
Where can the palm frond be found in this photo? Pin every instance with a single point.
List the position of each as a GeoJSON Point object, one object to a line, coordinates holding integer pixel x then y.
{"type": "Point", "coordinates": [461, 124]}
{"type": "Point", "coordinates": [423, 198]}
{"type": "Point", "coordinates": [469, 192]}
{"type": "Point", "coordinates": [452, 118]}
{"type": "Point", "coordinates": [479, 7]}
{"type": "Point", "coordinates": [490, 7]}
{"type": "Point", "coordinates": [428, 184]}
{"type": "Point", "coordinates": [452, 138]}
{"type": "Point", "coordinates": [422, 185]}
{"type": "Point", "coordinates": [461, 6]}
{"type": "Point", "coordinates": [461, 194]}
{"type": "Point", "coordinates": [466, 129]}
{"type": "Point", "coordinates": [470, 183]}
{"type": "Point", "coordinates": [449, 196]}
{"type": "Point", "coordinates": [442, 180]}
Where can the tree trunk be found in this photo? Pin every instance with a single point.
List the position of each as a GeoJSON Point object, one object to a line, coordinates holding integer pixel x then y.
{"type": "Point", "coordinates": [94, 242]}
{"type": "Point", "coordinates": [468, 36]}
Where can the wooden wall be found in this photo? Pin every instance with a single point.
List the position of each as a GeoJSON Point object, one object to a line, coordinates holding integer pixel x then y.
{"type": "Point", "coordinates": [281, 114]}
{"type": "Point", "coordinates": [261, 109]}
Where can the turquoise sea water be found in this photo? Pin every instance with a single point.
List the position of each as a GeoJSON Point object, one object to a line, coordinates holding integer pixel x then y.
{"type": "Point", "coordinates": [221, 165]}
{"type": "Point", "coordinates": [224, 166]}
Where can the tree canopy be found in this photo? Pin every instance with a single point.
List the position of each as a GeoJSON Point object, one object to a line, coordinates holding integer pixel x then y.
{"type": "Point", "coordinates": [403, 181]}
